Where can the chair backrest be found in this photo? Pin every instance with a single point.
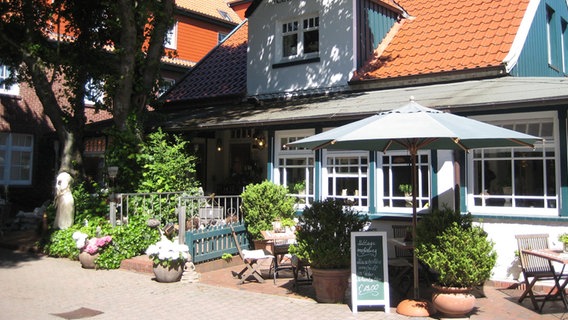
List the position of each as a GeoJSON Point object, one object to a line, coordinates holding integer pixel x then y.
{"type": "Point", "coordinates": [530, 263]}
{"type": "Point", "coordinates": [402, 231]}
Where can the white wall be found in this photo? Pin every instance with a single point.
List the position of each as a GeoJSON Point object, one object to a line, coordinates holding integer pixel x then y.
{"type": "Point", "coordinates": [336, 47]}
{"type": "Point", "coordinates": [503, 234]}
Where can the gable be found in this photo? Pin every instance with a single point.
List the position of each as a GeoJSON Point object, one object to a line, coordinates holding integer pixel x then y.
{"type": "Point", "coordinates": [544, 51]}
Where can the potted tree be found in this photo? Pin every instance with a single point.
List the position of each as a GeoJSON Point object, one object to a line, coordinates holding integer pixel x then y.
{"type": "Point", "coordinates": [264, 203]}
{"type": "Point", "coordinates": [323, 239]}
{"type": "Point", "coordinates": [462, 258]}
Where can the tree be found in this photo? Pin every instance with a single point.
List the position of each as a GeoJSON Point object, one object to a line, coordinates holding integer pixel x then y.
{"type": "Point", "coordinates": [60, 47]}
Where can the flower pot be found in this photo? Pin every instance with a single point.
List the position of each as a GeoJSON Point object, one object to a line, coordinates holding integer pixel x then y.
{"type": "Point", "coordinates": [451, 301]}
{"type": "Point", "coordinates": [88, 260]}
{"type": "Point", "coordinates": [165, 274]}
{"type": "Point", "coordinates": [330, 284]}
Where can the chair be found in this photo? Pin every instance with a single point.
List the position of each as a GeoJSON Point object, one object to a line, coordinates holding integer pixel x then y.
{"type": "Point", "coordinates": [252, 259]}
{"type": "Point", "coordinates": [533, 267]}
{"type": "Point", "coordinates": [301, 272]}
{"type": "Point", "coordinates": [400, 267]}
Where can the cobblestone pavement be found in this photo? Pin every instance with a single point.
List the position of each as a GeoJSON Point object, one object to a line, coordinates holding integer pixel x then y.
{"type": "Point", "coordinates": [39, 287]}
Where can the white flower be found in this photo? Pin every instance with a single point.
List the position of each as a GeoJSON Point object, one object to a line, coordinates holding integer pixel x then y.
{"type": "Point", "coordinates": [80, 239]}
{"type": "Point", "coordinates": [166, 251]}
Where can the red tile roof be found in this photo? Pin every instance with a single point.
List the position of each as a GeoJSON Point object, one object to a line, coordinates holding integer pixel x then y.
{"type": "Point", "coordinates": [449, 35]}
{"type": "Point", "coordinates": [221, 73]}
{"type": "Point", "coordinates": [210, 8]}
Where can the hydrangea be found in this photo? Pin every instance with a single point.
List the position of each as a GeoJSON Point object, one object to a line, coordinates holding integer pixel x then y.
{"type": "Point", "coordinates": [167, 253]}
{"type": "Point", "coordinates": [92, 245]}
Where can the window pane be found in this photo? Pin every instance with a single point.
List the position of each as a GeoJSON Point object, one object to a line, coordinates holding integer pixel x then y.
{"type": "Point", "coordinates": [290, 45]}
{"type": "Point", "coordinates": [311, 41]}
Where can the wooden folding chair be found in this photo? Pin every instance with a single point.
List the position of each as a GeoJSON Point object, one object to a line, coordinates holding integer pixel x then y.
{"type": "Point", "coordinates": [252, 259]}
{"type": "Point", "coordinates": [534, 268]}
{"type": "Point", "coordinates": [400, 267]}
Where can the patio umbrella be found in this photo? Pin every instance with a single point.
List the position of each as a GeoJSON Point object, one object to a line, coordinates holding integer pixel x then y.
{"type": "Point", "coordinates": [413, 127]}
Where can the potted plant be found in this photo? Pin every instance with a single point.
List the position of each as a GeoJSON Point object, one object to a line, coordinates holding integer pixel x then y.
{"type": "Point", "coordinates": [407, 190]}
{"type": "Point", "coordinates": [168, 259]}
{"type": "Point", "coordinates": [462, 257]}
{"type": "Point", "coordinates": [323, 239]}
{"type": "Point", "coordinates": [564, 239]}
{"type": "Point", "coordinates": [264, 203]}
{"type": "Point", "coordinates": [89, 248]}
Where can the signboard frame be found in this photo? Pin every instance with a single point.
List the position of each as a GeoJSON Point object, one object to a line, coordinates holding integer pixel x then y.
{"type": "Point", "coordinates": [375, 244]}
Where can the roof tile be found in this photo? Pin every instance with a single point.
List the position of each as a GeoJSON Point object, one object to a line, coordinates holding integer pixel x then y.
{"type": "Point", "coordinates": [210, 8]}
{"type": "Point", "coordinates": [449, 35]}
{"type": "Point", "coordinates": [221, 73]}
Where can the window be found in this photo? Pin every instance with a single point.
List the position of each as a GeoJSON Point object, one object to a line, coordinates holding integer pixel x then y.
{"type": "Point", "coordinates": [16, 154]}
{"type": "Point", "coordinates": [519, 178]}
{"type": "Point", "coordinates": [346, 176]}
{"type": "Point", "coordinates": [4, 87]}
{"type": "Point", "coordinates": [224, 15]}
{"type": "Point", "coordinates": [295, 166]}
{"type": "Point", "coordinates": [221, 36]}
{"type": "Point", "coordinates": [165, 85]}
{"type": "Point", "coordinates": [300, 38]}
{"type": "Point", "coordinates": [170, 42]}
{"type": "Point", "coordinates": [94, 92]}
{"type": "Point", "coordinates": [552, 29]}
{"type": "Point", "coordinates": [397, 180]}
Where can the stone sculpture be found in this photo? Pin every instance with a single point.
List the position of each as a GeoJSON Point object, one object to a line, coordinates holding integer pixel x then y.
{"type": "Point", "coordinates": [64, 202]}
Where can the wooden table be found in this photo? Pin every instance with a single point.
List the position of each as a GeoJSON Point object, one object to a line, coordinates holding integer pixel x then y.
{"type": "Point", "coordinates": [280, 244]}
{"type": "Point", "coordinates": [554, 256]}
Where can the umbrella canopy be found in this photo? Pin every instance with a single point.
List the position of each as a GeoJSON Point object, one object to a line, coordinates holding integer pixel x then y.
{"type": "Point", "coordinates": [413, 127]}
{"type": "Point", "coordinates": [416, 126]}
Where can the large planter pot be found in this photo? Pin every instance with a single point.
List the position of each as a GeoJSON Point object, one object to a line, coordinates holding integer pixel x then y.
{"type": "Point", "coordinates": [330, 284]}
{"type": "Point", "coordinates": [164, 274]}
{"type": "Point", "coordinates": [453, 301]}
{"type": "Point", "coordinates": [88, 260]}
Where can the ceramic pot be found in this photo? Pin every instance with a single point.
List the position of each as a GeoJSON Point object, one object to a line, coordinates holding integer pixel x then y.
{"type": "Point", "coordinates": [164, 274]}
{"type": "Point", "coordinates": [88, 260]}
{"type": "Point", "coordinates": [453, 301]}
{"type": "Point", "coordinates": [330, 284]}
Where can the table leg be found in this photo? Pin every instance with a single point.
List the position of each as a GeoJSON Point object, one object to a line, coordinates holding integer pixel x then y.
{"type": "Point", "coordinates": [559, 288]}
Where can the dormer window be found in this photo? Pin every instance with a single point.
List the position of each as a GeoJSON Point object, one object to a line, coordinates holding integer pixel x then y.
{"type": "Point", "coordinates": [300, 39]}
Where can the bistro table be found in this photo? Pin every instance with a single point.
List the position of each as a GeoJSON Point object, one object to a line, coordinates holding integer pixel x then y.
{"type": "Point", "coordinates": [554, 256]}
{"type": "Point", "coordinates": [279, 243]}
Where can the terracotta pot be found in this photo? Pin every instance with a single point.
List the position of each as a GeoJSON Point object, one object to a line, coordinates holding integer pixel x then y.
{"type": "Point", "coordinates": [163, 274]}
{"type": "Point", "coordinates": [330, 284]}
{"type": "Point", "coordinates": [453, 301]}
{"type": "Point", "coordinates": [88, 260]}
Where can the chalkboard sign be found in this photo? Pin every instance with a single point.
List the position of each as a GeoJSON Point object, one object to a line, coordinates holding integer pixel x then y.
{"type": "Point", "coordinates": [369, 270]}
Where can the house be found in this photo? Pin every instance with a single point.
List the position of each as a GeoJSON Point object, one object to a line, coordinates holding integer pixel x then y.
{"type": "Point", "coordinates": [28, 148]}
{"type": "Point", "coordinates": [314, 65]}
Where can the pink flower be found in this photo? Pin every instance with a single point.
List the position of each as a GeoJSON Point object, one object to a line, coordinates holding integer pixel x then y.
{"type": "Point", "coordinates": [94, 244]}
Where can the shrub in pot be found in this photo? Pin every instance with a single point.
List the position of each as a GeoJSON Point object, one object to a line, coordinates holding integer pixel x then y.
{"type": "Point", "coordinates": [463, 258]}
{"type": "Point", "coordinates": [323, 239]}
{"type": "Point", "coordinates": [264, 203]}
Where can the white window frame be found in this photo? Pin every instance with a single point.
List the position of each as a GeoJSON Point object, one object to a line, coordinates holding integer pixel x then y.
{"type": "Point", "coordinates": [284, 152]}
{"type": "Point", "coordinates": [550, 144]}
{"type": "Point", "coordinates": [300, 31]}
{"type": "Point", "coordinates": [170, 41]}
{"type": "Point", "coordinates": [392, 195]}
{"type": "Point", "coordinates": [5, 89]}
{"type": "Point", "coordinates": [357, 197]}
{"type": "Point", "coordinates": [9, 149]}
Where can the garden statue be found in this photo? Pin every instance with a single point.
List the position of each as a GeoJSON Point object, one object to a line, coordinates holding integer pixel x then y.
{"type": "Point", "coordinates": [64, 203]}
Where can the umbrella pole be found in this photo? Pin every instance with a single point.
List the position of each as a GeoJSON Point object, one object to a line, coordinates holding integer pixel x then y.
{"type": "Point", "coordinates": [414, 307]}
{"type": "Point", "coordinates": [413, 154]}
